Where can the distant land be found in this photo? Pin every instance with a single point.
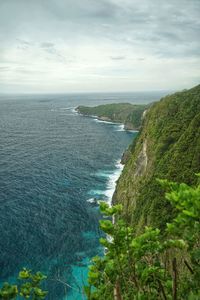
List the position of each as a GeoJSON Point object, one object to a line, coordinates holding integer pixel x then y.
{"type": "Point", "coordinates": [129, 114]}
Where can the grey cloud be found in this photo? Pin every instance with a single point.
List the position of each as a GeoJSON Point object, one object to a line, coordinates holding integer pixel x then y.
{"type": "Point", "coordinates": [29, 72]}
{"type": "Point", "coordinates": [160, 29]}
{"type": "Point", "coordinates": [118, 57]}
{"type": "Point", "coordinates": [81, 10]}
{"type": "Point", "coordinates": [24, 42]}
{"type": "Point", "coordinates": [46, 45]}
{"type": "Point", "coordinates": [4, 69]}
{"type": "Point", "coordinates": [50, 48]}
{"type": "Point", "coordinates": [148, 21]}
{"type": "Point", "coordinates": [52, 51]}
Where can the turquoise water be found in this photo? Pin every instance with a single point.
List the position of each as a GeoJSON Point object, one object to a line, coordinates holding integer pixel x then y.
{"type": "Point", "coordinates": [53, 163]}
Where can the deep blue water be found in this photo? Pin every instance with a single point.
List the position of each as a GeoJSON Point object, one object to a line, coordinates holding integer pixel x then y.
{"type": "Point", "coordinates": [52, 161]}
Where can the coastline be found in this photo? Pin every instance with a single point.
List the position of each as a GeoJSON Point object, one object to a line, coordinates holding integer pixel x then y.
{"type": "Point", "coordinates": [103, 119]}
{"type": "Point", "coordinates": [113, 177]}
{"type": "Point", "coordinates": [81, 274]}
{"type": "Point", "coordinates": [110, 185]}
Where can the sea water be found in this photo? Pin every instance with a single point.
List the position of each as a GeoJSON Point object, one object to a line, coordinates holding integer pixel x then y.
{"type": "Point", "coordinates": [54, 167]}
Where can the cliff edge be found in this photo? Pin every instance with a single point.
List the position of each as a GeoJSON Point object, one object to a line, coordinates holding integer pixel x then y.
{"type": "Point", "coordinates": [168, 146]}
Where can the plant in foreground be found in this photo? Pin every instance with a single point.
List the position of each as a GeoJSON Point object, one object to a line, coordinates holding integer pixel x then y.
{"type": "Point", "coordinates": [152, 265]}
{"type": "Point", "coordinates": [28, 288]}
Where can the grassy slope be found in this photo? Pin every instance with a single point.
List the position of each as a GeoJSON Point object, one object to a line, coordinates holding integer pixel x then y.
{"type": "Point", "coordinates": [168, 146]}
{"type": "Point", "coordinates": [126, 113]}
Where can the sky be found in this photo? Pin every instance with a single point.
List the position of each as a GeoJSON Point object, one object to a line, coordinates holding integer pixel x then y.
{"type": "Point", "coordinates": [58, 46]}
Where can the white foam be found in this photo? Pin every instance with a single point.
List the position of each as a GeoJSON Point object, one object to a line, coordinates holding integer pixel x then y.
{"type": "Point", "coordinates": [73, 109]}
{"type": "Point", "coordinates": [96, 192]}
{"type": "Point", "coordinates": [120, 128]}
{"type": "Point", "coordinates": [134, 131]}
{"type": "Point", "coordinates": [93, 201]}
{"type": "Point", "coordinates": [111, 177]}
{"type": "Point", "coordinates": [63, 109]}
{"type": "Point", "coordinates": [105, 122]}
{"type": "Point", "coordinates": [112, 181]}
{"type": "Point", "coordinates": [104, 174]}
{"type": "Point", "coordinates": [66, 108]}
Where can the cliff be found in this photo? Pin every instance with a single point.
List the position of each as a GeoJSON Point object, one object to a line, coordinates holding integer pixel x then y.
{"type": "Point", "coordinates": [128, 114]}
{"type": "Point", "coordinates": [167, 147]}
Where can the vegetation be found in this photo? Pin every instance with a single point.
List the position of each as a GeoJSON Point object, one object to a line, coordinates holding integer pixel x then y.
{"type": "Point", "coordinates": [128, 114]}
{"type": "Point", "coordinates": [153, 246]}
{"type": "Point", "coordinates": [154, 264]}
{"type": "Point", "coordinates": [168, 147]}
{"type": "Point", "coordinates": [28, 288]}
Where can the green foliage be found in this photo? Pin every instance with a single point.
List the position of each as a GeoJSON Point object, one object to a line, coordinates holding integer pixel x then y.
{"type": "Point", "coordinates": [170, 139]}
{"type": "Point", "coordinates": [129, 114]}
{"type": "Point", "coordinates": [8, 291]}
{"type": "Point", "coordinates": [153, 264]}
{"type": "Point", "coordinates": [29, 287]}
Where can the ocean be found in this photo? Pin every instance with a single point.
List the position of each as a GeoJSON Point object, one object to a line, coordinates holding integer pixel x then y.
{"type": "Point", "coordinates": [54, 164]}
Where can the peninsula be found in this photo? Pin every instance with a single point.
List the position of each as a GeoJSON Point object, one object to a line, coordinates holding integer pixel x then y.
{"type": "Point", "coordinates": [129, 114]}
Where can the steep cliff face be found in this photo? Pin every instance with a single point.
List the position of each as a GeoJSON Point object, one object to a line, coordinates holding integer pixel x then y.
{"type": "Point", "coordinates": [168, 146]}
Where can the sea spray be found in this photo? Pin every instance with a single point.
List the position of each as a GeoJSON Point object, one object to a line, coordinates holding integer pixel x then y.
{"type": "Point", "coordinates": [111, 179]}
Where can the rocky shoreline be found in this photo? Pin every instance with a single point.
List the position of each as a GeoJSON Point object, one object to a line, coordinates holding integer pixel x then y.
{"type": "Point", "coordinates": [127, 125]}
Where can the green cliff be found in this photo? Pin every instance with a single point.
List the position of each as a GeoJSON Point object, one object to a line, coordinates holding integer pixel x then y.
{"type": "Point", "coordinates": [167, 147]}
{"type": "Point", "coordinates": [128, 114]}
{"type": "Point", "coordinates": [153, 248]}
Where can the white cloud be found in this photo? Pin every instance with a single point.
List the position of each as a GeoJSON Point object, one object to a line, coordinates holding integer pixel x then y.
{"type": "Point", "coordinates": [65, 45]}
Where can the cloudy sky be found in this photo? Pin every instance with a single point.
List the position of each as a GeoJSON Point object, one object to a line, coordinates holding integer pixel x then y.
{"type": "Point", "coordinates": [99, 45]}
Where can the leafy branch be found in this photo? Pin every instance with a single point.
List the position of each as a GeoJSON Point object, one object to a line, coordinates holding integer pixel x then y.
{"type": "Point", "coordinates": [154, 264]}
{"type": "Point", "coordinates": [28, 288]}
